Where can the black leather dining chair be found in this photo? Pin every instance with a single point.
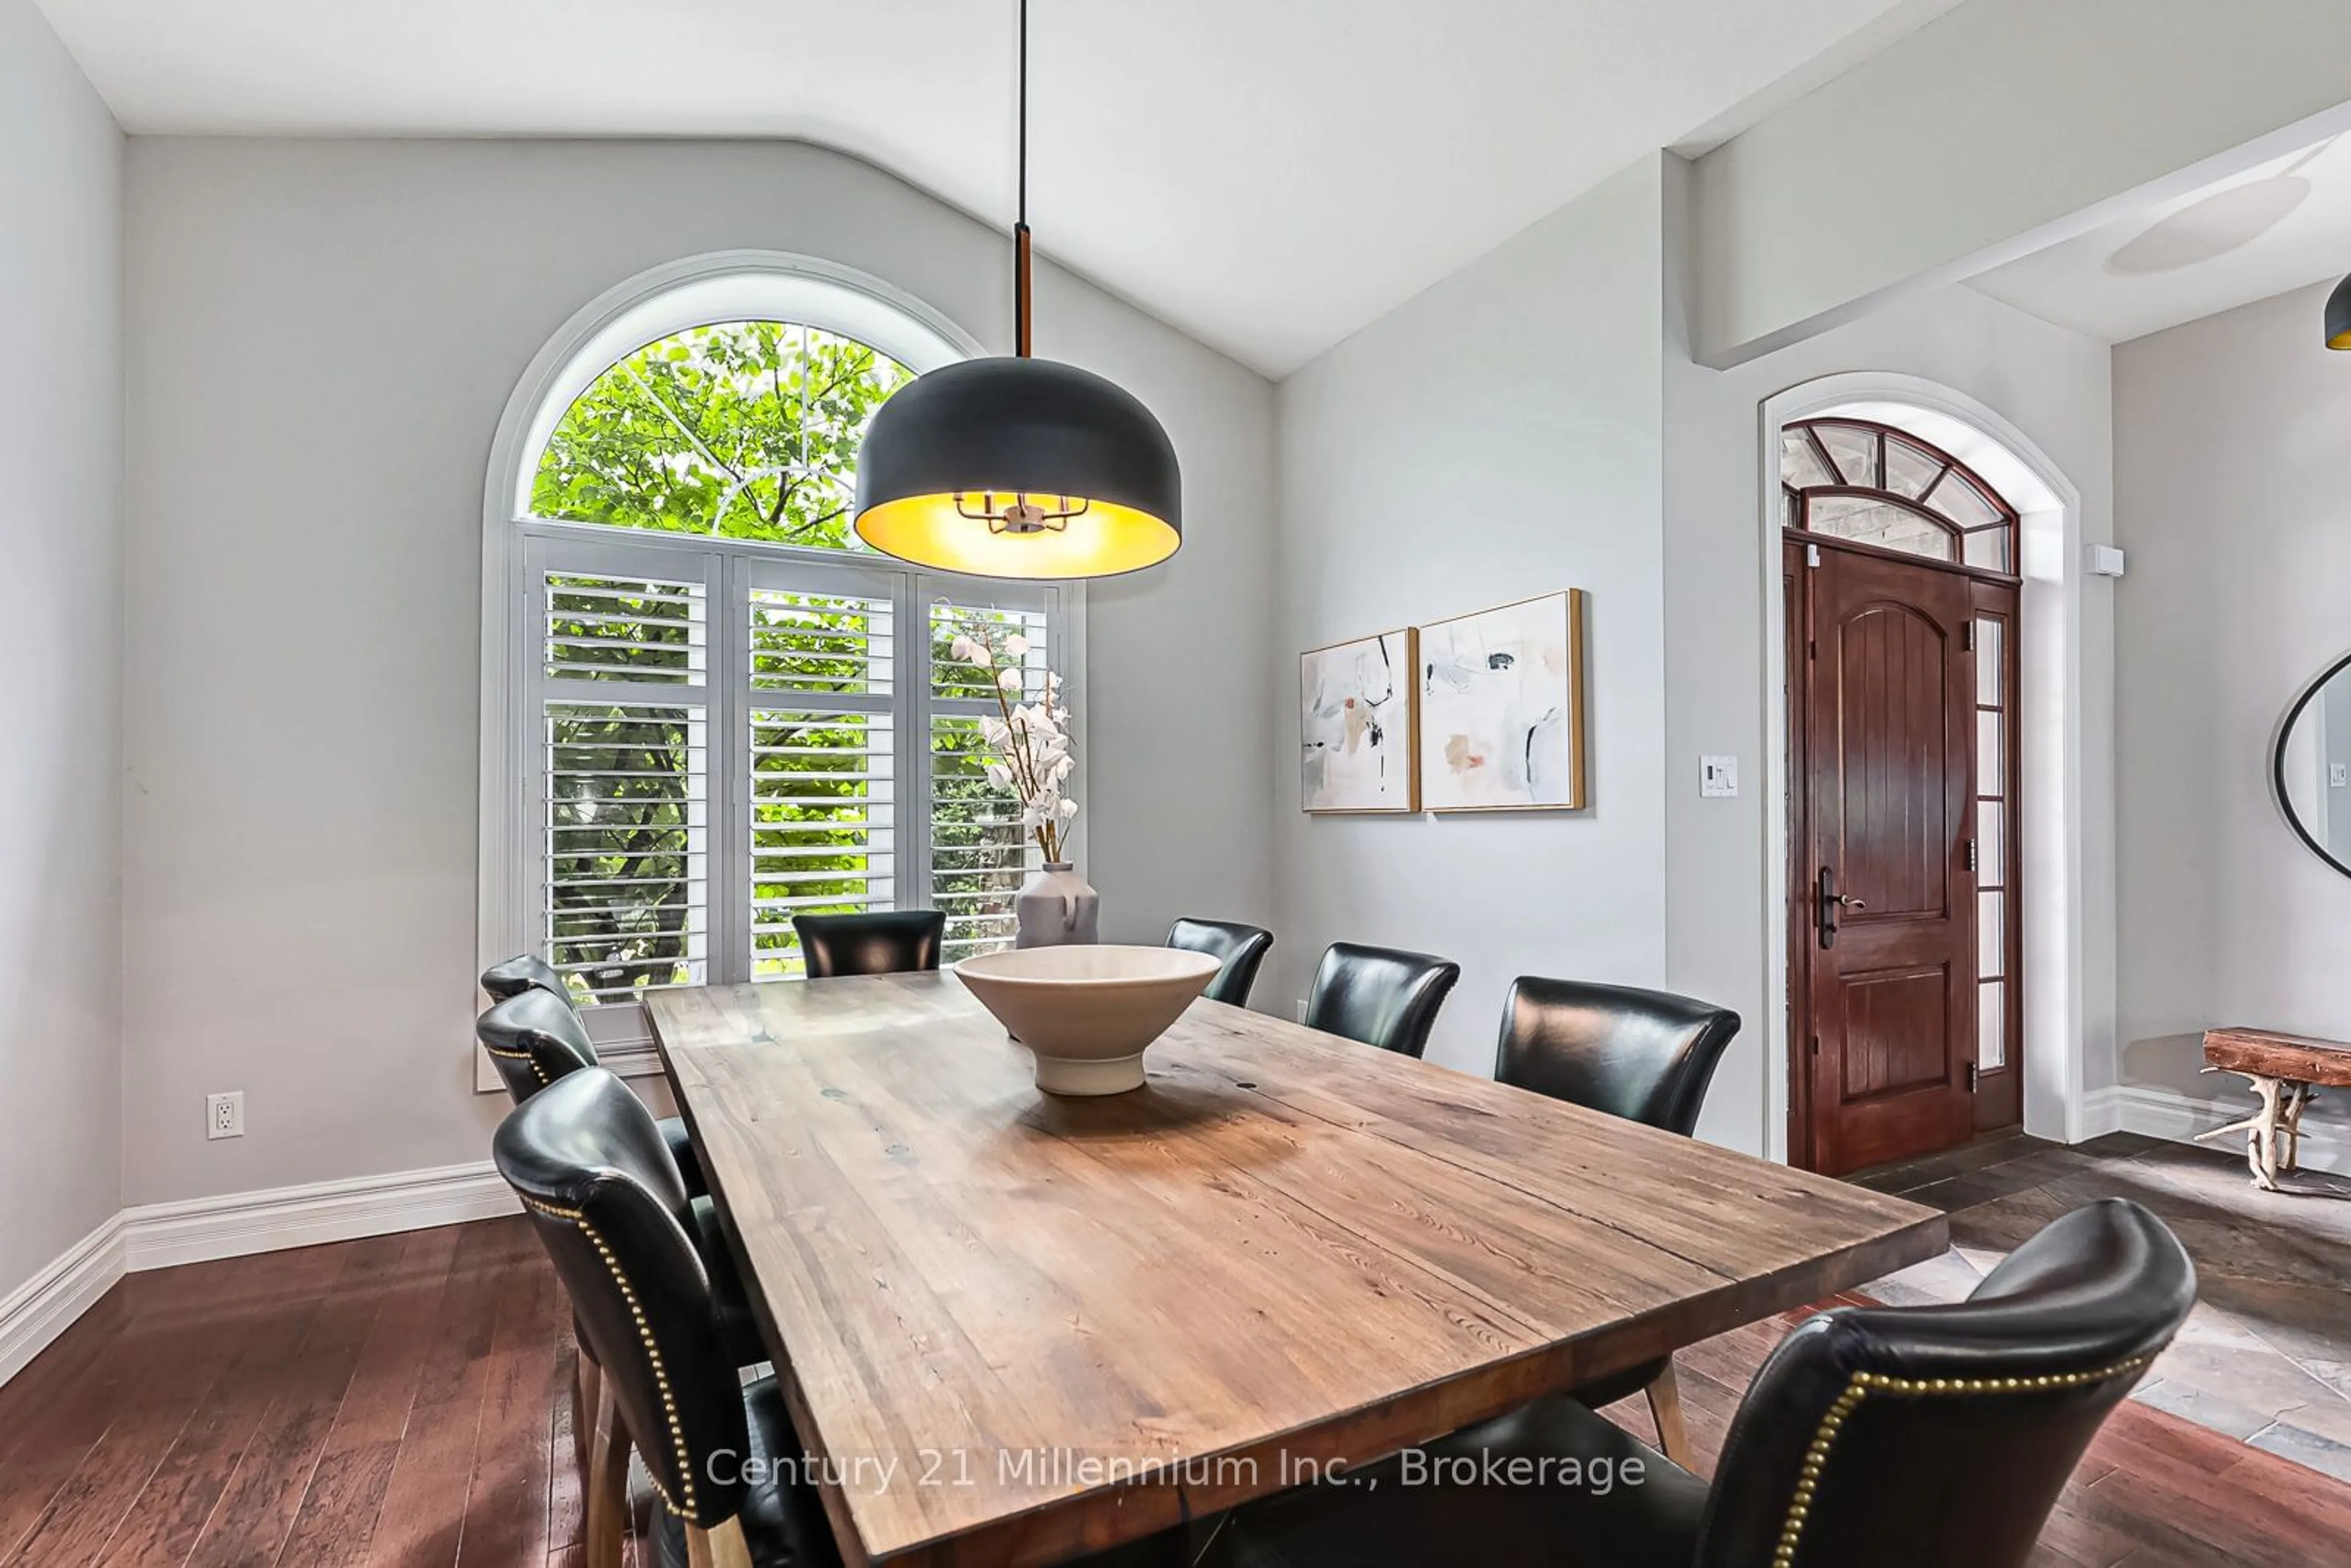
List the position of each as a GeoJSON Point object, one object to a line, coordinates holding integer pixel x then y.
{"type": "Point", "coordinates": [1239, 948]}
{"type": "Point", "coordinates": [1383, 996]}
{"type": "Point", "coordinates": [594, 1174]}
{"type": "Point", "coordinates": [878, 942]}
{"type": "Point", "coordinates": [1925, 1437]}
{"type": "Point", "coordinates": [534, 1036]}
{"type": "Point", "coordinates": [523, 972]}
{"type": "Point", "coordinates": [1647, 1056]}
{"type": "Point", "coordinates": [535, 1041]}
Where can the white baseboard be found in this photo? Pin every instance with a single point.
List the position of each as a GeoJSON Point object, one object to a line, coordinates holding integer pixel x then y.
{"type": "Point", "coordinates": [199, 1229]}
{"type": "Point", "coordinates": [2158, 1113]}
{"type": "Point", "coordinates": [45, 1305]}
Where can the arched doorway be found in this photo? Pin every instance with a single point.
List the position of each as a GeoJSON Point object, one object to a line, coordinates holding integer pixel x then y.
{"type": "Point", "coordinates": [1900, 606]}
{"type": "Point", "coordinates": [2047, 998]}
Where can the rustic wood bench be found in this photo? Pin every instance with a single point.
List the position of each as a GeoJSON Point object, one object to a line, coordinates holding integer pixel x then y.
{"type": "Point", "coordinates": [2285, 1070]}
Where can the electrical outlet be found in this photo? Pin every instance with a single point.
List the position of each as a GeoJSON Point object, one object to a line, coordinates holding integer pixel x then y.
{"type": "Point", "coordinates": [225, 1114]}
{"type": "Point", "coordinates": [1301, 1009]}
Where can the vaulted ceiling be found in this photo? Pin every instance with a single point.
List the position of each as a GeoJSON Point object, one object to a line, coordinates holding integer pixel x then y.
{"type": "Point", "coordinates": [1268, 174]}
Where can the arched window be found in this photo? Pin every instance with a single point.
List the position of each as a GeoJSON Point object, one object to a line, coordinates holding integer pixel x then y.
{"type": "Point", "coordinates": [719, 709]}
{"type": "Point", "coordinates": [1857, 480]}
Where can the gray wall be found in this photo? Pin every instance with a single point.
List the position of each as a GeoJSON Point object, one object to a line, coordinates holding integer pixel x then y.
{"type": "Point", "coordinates": [322, 337]}
{"type": "Point", "coordinates": [2229, 441]}
{"type": "Point", "coordinates": [61, 534]}
{"type": "Point", "coordinates": [1496, 437]}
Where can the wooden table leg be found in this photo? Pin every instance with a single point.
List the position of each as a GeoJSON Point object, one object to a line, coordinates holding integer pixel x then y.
{"type": "Point", "coordinates": [1665, 1408]}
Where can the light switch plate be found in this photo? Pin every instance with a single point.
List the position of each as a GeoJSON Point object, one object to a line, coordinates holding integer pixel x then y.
{"type": "Point", "coordinates": [1718, 777]}
{"type": "Point", "coordinates": [2338, 774]}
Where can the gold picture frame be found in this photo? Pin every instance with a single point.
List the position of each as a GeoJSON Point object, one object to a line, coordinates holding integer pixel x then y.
{"type": "Point", "coordinates": [1498, 708]}
{"type": "Point", "coordinates": [1383, 773]}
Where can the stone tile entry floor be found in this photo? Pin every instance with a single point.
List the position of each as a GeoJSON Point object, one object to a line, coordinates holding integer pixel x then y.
{"type": "Point", "coordinates": [2266, 1357]}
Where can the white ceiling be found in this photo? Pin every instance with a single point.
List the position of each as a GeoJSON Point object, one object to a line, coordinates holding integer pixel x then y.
{"type": "Point", "coordinates": [1268, 174]}
{"type": "Point", "coordinates": [2276, 226]}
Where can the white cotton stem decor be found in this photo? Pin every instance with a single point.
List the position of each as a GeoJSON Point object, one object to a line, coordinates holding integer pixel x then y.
{"type": "Point", "coordinates": [1031, 741]}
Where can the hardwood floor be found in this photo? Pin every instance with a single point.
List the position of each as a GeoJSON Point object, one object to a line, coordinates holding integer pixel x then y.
{"type": "Point", "coordinates": [399, 1403]}
{"type": "Point", "coordinates": [393, 1401]}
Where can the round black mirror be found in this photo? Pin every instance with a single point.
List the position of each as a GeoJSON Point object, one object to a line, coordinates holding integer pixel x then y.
{"type": "Point", "coordinates": [2312, 767]}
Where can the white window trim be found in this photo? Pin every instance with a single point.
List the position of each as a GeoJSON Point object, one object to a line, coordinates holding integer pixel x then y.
{"type": "Point", "coordinates": [698, 291]}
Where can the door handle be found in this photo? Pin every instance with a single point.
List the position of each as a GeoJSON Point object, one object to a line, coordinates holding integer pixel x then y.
{"type": "Point", "coordinates": [1829, 901]}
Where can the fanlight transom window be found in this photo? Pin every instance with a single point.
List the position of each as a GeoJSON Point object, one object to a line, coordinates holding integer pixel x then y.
{"type": "Point", "coordinates": [1867, 483]}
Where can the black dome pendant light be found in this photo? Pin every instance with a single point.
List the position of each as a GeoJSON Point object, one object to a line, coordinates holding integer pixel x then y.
{"type": "Point", "coordinates": [1019, 467]}
{"type": "Point", "coordinates": [2338, 316]}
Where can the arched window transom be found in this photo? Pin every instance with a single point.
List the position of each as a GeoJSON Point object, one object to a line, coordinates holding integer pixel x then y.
{"type": "Point", "coordinates": [743, 430]}
{"type": "Point", "coordinates": [1870, 484]}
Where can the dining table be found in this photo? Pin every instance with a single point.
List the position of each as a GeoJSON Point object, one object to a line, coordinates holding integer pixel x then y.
{"type": "Point", "coordinates": [1016, 1328]}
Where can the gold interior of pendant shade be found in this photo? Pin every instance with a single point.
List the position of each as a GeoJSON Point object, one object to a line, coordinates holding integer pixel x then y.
{"type": "Point", "coordinates": [2341, 340]}
{"type": "Point", "coordinates": [1101, 541]}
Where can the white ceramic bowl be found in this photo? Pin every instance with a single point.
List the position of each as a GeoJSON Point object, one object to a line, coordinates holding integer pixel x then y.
{"type": "Point", "coordinates": [1088, 1012]}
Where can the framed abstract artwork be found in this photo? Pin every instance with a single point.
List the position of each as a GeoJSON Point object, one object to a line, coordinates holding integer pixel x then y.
{"type": "Point", "coordinates": [1501, 708]}
{"type": "Point", "coordinates": [1355, 725]}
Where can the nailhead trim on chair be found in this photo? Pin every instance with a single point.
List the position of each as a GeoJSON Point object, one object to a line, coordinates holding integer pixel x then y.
{"type": "Point", "coordinates": [1863, 1382]}
{"type": "Point", "coordinates": [689, 1513]}
{"type": "Point", "coordinates": [523, 1056]}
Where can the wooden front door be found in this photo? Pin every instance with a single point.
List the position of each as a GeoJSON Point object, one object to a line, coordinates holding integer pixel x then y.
{"type": "Point", "coordinates": [1883, 895]}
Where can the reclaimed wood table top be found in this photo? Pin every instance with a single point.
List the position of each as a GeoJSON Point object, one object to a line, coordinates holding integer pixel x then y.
{"type": "Point", "coordinates": [2267, 1054]}
{"type": "Point", "coordinates": [1012, 1328]}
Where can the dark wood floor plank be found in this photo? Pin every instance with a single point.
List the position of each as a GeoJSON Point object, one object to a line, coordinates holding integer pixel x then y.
{"type": "Point", "coordinates": [566, 1502]}
{"type": "Point", "coordinates": [169, 1516]}
{"type": "Point", "coordinates": [258, 1511]}
{"type": "Point", "coordinates": [507, 1505]}
{"type": "Point", "coordinates": [155, 1385]}
{"type": "Point", "coordinates": [424, 1508]}
{"type": "Point", "coordinates": [334, 1526]}
{"type": "Point", "coordinates": [338, 1516]}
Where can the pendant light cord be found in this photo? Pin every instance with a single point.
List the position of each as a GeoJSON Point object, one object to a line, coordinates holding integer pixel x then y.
{"type": "Point", "coordinates": [1020, 221]}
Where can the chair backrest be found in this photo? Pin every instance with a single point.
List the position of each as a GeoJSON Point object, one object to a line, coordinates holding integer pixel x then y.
{"type": "Point", "coordinates": [598, 1183]}
{"type": "Point", "coordinates": [1647, 1056]}
{"type": "Point", "coordinates": [884, 942]}
{"type": "Point", "coordinates": [1939, 1436]}
{"type": "Point", "coordinates": [1381, 995]}
{"type": "Point", "coordinates": [534, 1037]}
{"type": "Point", "coordinates": [1239, 948]}
{"type": "Point", "coordinates": [523, 972]}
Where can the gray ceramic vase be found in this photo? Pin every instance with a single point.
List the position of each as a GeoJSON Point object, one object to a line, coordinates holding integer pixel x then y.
{"type": "Point", "coordinates": [1055, 908]}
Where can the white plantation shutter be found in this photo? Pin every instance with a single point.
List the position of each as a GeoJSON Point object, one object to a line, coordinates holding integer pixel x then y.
{"type": "Point", "coordinates": [719, 736]}
{"type": "Point", "coordinates": [825, 793]}
{"type": "Point", "coordinates": [619, 707]}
